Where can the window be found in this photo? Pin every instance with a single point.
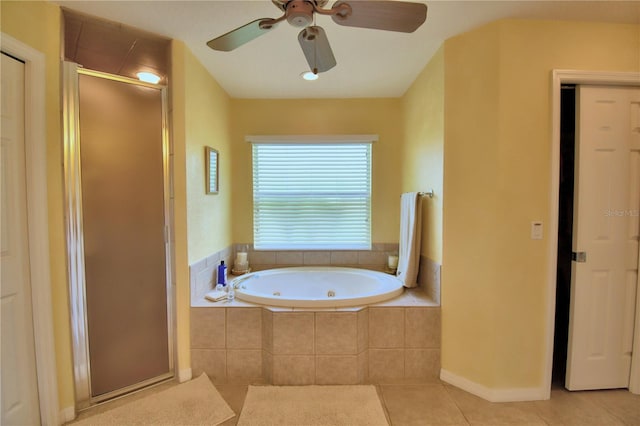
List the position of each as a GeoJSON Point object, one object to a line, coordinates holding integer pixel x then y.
{"type": "Point", "coordinates": [312, 192]}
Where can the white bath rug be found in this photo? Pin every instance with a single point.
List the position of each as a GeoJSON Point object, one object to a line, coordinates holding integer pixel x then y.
{"type": "Point", "coordinates": [312, 406]}
{"type": "Point", "coordinates": [196, 402]}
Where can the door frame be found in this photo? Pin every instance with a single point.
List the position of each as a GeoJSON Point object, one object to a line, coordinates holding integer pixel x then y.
{"type": "Point", "coordinates": [559, 77]}
{"type": "Point", "coordinates": [38, 224]}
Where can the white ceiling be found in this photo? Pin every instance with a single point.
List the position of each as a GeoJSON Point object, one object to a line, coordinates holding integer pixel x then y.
{"type": "Point", "coordinates": [371, 63]}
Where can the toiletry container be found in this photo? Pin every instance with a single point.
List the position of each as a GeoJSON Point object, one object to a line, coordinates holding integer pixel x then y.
{"type": "Point", "coordinates": [222, 276]}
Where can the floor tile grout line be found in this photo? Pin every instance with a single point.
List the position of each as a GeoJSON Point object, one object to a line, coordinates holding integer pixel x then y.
{"type": "Point", "coordinates": [380, 393]}
{"type": "Point", "coordinates": [539, 412]}
{"type": "Point", "coordinates": [455, 402]}
{"type": "Point", "coordinates": [603, 405]}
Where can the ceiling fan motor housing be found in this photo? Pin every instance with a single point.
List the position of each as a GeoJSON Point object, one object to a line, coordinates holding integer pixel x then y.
{"type": "Point", "coordinates": [299, 13]}
{"type": "Point", "coordinates": [282, 4]}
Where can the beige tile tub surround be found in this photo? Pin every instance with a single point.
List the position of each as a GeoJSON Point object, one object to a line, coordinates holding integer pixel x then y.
{"type": "Point", "coordinates": [244, 365]}
{"type": "Point", "coordinates": [203, 272]}
{"type": "Point", "coordinates": [336, 333]}
{"type": "Point", "coordinates": [404, 344]}
{"type": "Point", "coordinates": [244, 328]}
{"type": "Point", "coordinates": [375, 344]}
{"type": "Point", "coordinates": [429, 278]}
{"type": "Point", "coordinates": [227, 344]}
{"type": "Point", "coordinates": [396, 341]}
{"type": "Point", "coordinates": [293, 370]}
{"type": "Point", "coordinates": [374, 259]}
{"type": "Point", "coordinates": [293, 333]}
{"type": "Point", "coordinates": [333, 369]}
{"type": "Point", "coordinates": [210, 331]}
{"type": "Point", "coordinates": [427, 334]}
{"type": "Point", "coordinates": [386, 328]}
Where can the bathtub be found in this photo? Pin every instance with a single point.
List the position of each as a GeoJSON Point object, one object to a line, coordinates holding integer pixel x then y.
{"type": "Point", "coordinates": [316, 287]}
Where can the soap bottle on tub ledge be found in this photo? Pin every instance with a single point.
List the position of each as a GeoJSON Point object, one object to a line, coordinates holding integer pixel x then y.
{"type": "Point", "coordinates": [221, 282]}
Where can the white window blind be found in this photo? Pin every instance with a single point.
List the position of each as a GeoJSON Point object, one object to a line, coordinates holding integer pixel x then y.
{"type": "Point", "coordinates": [312, 195]}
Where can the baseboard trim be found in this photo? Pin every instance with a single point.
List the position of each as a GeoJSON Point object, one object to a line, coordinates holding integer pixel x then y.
{"type": "Point", "coordinates": [184, 375]}
{"type": "Point", "coordinates": [66, 415]}
{"type": "Point", "coordinates": [494, 395]}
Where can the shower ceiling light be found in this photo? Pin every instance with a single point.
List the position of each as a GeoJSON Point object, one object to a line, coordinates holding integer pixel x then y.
{"type": "Point", "coordinates": [148, 77]}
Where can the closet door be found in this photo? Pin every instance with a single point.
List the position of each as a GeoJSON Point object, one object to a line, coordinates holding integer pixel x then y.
{"type": "Point", "coordinates": [122, 180]}
{"type": "Point", "coordinates": [19, 387]}
{"type": "Point", "coordinates": [605, 238]}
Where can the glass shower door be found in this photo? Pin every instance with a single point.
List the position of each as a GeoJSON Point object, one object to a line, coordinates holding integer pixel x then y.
{"type": "Point", "coordinates": [123, 242]}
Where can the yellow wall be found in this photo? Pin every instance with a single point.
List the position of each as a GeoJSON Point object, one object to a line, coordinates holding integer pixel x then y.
{"type": "Point", "coordinates": [207, 124]}
{"type": "Point", "coordinates": [423, 149]}
{"type": "Point", "coordinates": [497, 168]}
{"type": "Point", "coordinates": [200, 118]}
{"type": "Point", "coordinates": [321, 116]}
{"type": "Point", "coordinates": [37, 24]}
{"type": "Point", "coordinates": [471, 128]}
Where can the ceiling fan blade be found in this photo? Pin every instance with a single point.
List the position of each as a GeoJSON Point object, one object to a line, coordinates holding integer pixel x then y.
{"type": "Point", "coordinates": [399, 16]}
{"type": "Point", "coordinates": [244, 34]}
{"type": "Point", "coordinates": [317, 49]}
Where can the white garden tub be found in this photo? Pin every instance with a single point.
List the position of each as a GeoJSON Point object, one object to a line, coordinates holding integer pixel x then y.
{"type": "Point", "coordinates": [316, 287]}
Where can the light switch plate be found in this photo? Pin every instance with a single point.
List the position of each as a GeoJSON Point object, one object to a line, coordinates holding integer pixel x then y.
{"type": "Point", "coordinates": [536, 230]}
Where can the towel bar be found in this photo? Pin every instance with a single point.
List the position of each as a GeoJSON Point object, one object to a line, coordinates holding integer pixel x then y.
{"type": "Point", "coordinates": [428, 193]}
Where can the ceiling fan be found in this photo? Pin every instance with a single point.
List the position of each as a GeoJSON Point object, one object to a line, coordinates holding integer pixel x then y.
{"type": "Point", "coordinates": [387, 15]}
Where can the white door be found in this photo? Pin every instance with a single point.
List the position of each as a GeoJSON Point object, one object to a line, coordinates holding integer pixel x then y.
{"type": "Point", "coordinates": [605, 237]}
{"type": "Point", "coordinates": [19, 391]}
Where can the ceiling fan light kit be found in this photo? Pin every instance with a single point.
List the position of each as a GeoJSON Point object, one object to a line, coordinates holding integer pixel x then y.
{"type": "Point", "coordinates": [309, 75]}
{"type": "Point", "coordinates": [389, 15]}
{"type": "Point", "coordinates": [316, 49]}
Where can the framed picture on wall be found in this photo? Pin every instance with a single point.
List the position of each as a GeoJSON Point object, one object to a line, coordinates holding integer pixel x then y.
{"type": "Point", "coordinates": [211, 167]}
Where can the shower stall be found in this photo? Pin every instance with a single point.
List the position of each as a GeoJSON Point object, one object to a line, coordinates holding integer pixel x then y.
{"type": "Point", "coordinates": [117, 209]}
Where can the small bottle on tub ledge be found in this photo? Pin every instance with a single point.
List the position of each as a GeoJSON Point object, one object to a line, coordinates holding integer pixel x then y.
{"type": "Point", "coordinates": [221, 282]}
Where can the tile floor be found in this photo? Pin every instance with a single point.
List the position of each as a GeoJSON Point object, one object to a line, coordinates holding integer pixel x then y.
{"type": "Point", "coordinates": [439, 404]}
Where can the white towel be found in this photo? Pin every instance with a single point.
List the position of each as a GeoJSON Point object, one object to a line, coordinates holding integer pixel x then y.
{"type": "Point", "coordinates": [410, 228]}
{"type": "Point", "coordinates": [216, 295]}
